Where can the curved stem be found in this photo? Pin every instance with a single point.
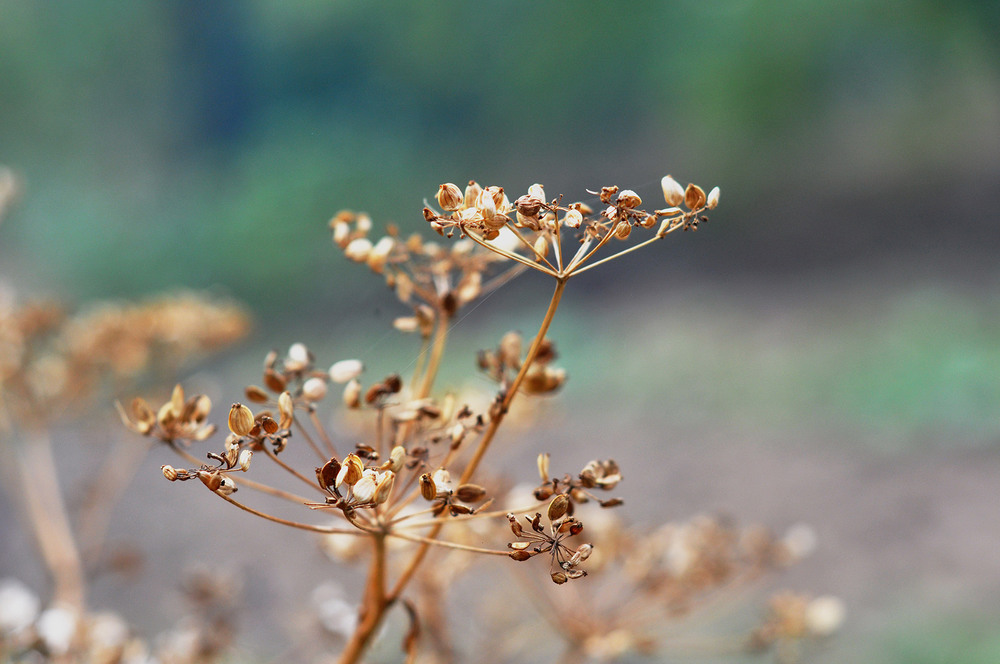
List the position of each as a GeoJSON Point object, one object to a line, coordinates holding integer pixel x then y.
{"type": "Point", "coordinates": [501, 413]}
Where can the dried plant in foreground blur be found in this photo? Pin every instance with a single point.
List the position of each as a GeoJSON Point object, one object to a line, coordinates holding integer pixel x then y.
{"type": "Point", "coordinates": [412, 497]}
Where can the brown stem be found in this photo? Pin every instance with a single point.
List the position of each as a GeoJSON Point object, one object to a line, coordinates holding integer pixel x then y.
{"type": "Point", "coordinates": [501, 413]}
{"type": "Point", "coordinates": [373, 607]}
{"type": "Point", "coordinates": [484, 442]}
{"type": "Point", "coordinates": [437, 352]}
{"type": "Point", "coordinates": [47, 514]}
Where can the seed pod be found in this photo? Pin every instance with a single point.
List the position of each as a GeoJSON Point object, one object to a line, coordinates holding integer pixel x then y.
{"type": "Point", "coordinates": [673, 193]}
{"type": "Point", "coordinates": [472, 192]}
{"type": "Point", "coordinates": [558, 507]}
{"type": "Point", "coordinates": [629, 199]}
{"type": "Point", "coordinates": [327, 475]}
{"type": "Point", "coordinates": [314, 389]}
{"type": "Point", "coordinates": [364, 490]}
{"type": "Point", "coordinates": [520, 556]}
{"type": "Point", "coordinates": [396, 458]}
{"type": "Point", "coordinates": [713, 198]}
{"type": "Point", "coordinates": [240, 419]}
{"type": "Point", "coordinates": [227, 486]}
{"type": "Point", "coordinates": [450, 197]}
{"type": "Point", "coordinates": [268, 425]}
{"type": "Point", "coordinates": [470, 493]}
{"type": "Point", "coordinates": [380, 254]}
{"type": "Point", "coordinates": [581, 554]}
{"type": "Point", "coordinates": [358, 249]}
{"type": "Point", "coordinates": [623, 229]}
{"type": "Point", "coordinates": [169, 472]}
{"type": "Point", "coordinates": [256, 394]}
{"type": "Point", "coordinates": [573, 219]}
{"type": "Point", "coordinates": [351, 471]}
{"type": "Point", "coordinates": [286, 410]}
{"type": "Point", "coordinates": [694, 197]}
{"type": "Point", "coordinates": [384, 487]}
{"type": "Point", "coordinates": [212, 480]}
{"type": "Point", "coordinates": [345, 370]}
{"type": "Point", "coordinates": [541, 247]}
{"type": "Point", "coordinates": [427, 487]}
{"type": "Point", "coordinates": [559, 577]}
{"type": "Point", "coordinates": [274, 381]}
{"type": "Point", "coordinates": [352, 393]}
{"type": "Point", "coordinates": [244, 459]}
{"type": "Point", "coordinates": [543, 466]}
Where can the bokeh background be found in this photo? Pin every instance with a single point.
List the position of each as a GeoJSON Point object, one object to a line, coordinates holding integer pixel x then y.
{"type": "Point", "coordinates": [826, 349]}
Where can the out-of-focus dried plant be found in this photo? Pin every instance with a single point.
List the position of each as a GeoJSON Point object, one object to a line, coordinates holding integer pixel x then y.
{"type": "Point", "coordinates": [61, 367]}
{"type": "Point", "coordinates": [412, 499]}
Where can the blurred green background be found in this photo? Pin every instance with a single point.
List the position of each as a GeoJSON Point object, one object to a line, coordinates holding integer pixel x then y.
{"type": "Point", "coordinates": [839, 313]}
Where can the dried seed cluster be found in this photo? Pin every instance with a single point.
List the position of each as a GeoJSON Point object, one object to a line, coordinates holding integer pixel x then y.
{"type": "Point", "coordinates": [412, 480]}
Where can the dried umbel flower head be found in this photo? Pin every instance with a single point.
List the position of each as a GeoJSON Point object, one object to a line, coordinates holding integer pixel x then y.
{"type": "Point", "coordinates": [564, 560]}
{"type": "Point", "coordinates": [178, 420]}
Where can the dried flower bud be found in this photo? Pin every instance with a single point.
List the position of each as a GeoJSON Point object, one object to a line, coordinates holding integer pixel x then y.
{"type": "Point", "coordinates": [314, 389]}
{"type": "Point", "coordinates": [673, 193]}
{"type": "Point", "coordinates": [169, 472]}
{"type": "Point", "coordinates": [352, 393]}
{"type": "Point", "coordinates": [345, 370]}
{"type": "Point", "coordinates": [694, 197]}
{"type": "Point", "coordinates": [629, 199]}
{"type": "Point", "coordinates": [558, 507]}
{"type": "Point", "coordinates": [450, 197]}
{"type": "Point", "coordinates": [358, 249]}
{"type": "Point", "coordinates": [240, 419]}
{"type": "Point", "coordinates": [351, 470]}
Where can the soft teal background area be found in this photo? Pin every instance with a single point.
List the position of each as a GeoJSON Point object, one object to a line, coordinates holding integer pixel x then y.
{"type": "Point", "coordinates": [840, 310]}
